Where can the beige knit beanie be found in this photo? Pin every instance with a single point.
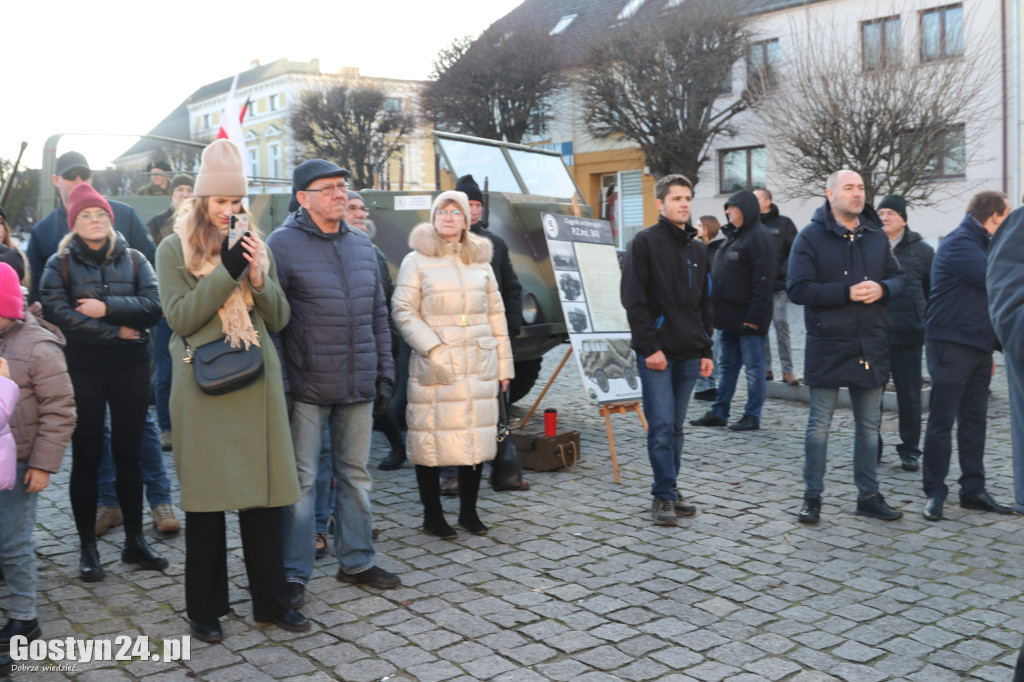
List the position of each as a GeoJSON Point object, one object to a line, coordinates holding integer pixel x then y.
{"type": "Point", "coordinates": [220, 171]}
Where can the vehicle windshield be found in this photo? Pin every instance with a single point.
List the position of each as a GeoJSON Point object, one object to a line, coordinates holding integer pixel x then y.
{"type": "Point", "coordinates": [541, 172]}
{"type": "Point", "coordinates": [481, 161]}
{"type": "Point", "coordinates": [544, 174]}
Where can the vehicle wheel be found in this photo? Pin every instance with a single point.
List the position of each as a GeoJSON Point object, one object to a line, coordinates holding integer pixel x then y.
{"type": "Point", "coordinates": [631, 378]}
{"type": "Point", "coordinates": [527, 372]}
{"type": "Point", "coordinates": [602, 380]}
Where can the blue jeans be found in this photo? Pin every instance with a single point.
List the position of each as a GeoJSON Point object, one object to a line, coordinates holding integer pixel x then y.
{"type": "Point", "coordinates": [666, 395]}
{"type": "Point", "coordinates": [18, 548]}
{"type": "Point", "coordinates": [324, 472]}
{"type": "Point", "coordinates": [867, 414]}
{"type": "Point", "coordinates": [1015, 382]}
{"type": "Point", "coordinates": [350, 427]}
{"type": "Point", "coordinates": [151, 461]}
{"type": "Point", "coordinates": [736, 351]}
{"type": "Point", "coordinates": [710, 383]}
{"type": "Point", "coordinates": [162, 374]}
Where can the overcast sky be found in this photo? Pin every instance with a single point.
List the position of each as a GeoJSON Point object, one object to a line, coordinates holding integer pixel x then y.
{"type": "Point", "coordinates": [114, 66]}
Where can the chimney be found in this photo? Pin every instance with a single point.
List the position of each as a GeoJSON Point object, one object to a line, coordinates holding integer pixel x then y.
{"type": "Point", "coordinates": [253, 63]}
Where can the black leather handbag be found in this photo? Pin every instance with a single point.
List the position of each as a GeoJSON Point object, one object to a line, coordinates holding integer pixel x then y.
{"type": "Point", "coordinates": [220, 369]}
{"type": "Point", "coordinates": [506, 470]}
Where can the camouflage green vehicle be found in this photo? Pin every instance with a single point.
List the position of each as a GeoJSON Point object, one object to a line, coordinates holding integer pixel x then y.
{"type": "Point", "coordinates": [606, 359]}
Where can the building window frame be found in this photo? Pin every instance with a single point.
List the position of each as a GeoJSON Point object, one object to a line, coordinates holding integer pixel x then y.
{"type": "Point", "coordinates": [763, 64]}
{"type": "Point", "coordinates": [949, 160]}
{"type": "Point", "coordinates": [942, 33]}
{"type": "Point", "coordinates": [753, 160]}
{"type": "Point", "coordinates": [881, 43]}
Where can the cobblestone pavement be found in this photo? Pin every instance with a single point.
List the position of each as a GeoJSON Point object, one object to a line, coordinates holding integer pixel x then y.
{"type": "Point", "coordinates": [574, 583]}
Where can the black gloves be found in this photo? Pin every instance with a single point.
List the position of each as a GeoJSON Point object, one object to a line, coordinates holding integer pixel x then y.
{"type": "Point", "coordinates": [233, 258]}
{"type": "Point", "coordinates": [385, 389]}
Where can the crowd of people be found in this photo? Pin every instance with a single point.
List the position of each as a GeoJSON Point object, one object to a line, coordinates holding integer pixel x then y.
{"type": "Point", "coordinates": [304, 337]}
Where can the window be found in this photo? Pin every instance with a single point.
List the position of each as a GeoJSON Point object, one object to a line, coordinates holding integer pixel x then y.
{"type": "Point", "coordinates": [392, 104]}
{"type": "Point", "coordinates": [274, 159]}
{"type": "Point", "coordinates": [206, 120]}
{"type": "Point", "coordinates": [562, 24]}
{"type": "Point", "coordinates": [254, 162]}
{"type": "Point", "coordinates": [763, 64]}
{"type": "Point", "coordinates": [942, 33]}
{"type": "Point", "coordinates": [273, 102]}
{"type": "Point", "coordinates": [630, 9]}
{"type": "Point", "coordinates": [880, 41]}
{"type": "Point", "coordinates": [744, 168]}
{"type": "Point", "coordinates": [948, 149]}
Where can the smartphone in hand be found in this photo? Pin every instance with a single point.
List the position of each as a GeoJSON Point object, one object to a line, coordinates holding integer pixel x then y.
{"type": "Point", "coordinates": [238, 226]}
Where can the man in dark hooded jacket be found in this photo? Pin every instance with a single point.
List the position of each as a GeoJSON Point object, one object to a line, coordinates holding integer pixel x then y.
{"type": "Point", "coordinates": [842, 271]}
{"type": "Point", "coordinates": [741, 294]}
{"type": "Point", "coordinates": [783, 231]}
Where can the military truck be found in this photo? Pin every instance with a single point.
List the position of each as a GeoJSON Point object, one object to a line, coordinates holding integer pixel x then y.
{"type": "Point", "coordinates": [522, 183]}
{"type": "Point", "coordinates": [606, 359]}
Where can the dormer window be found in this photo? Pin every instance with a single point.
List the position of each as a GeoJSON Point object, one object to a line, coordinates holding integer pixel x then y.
{"type": "Point", "coordinates": [562, 24]}
{"type": "Point", "coordinates": [630, 9]}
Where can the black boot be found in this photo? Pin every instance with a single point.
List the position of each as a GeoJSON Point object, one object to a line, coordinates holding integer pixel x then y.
{"type": "Point", "coordinates": [430, 495]}
{"type": "Point", "coordinates": [89, 567]}
{"type": "Point", "coordinates": [469, 487]}
{"type": "Point", "coordinates": [137, 551]}
{"type": "Point", "coordinates": [394, 460]}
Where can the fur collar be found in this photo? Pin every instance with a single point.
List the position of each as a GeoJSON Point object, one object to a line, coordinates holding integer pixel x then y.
{"type": "Point", "coordinates": [422, 239]}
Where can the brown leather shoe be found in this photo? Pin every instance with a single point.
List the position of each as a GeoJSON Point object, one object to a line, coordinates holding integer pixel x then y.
{"type": "Point", "coordinates": [790, 379]}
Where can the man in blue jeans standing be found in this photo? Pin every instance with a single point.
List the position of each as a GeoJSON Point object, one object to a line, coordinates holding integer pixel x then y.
{"type": "Point", "coordinates": [665, 291]}
{"type": "Point", "coordinates": [337, 357]}
{"type": "Point", "coordinates": [842, 271]}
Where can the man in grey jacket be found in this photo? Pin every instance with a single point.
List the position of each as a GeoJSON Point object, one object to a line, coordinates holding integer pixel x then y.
{"type": "Point", "coordinates": [336, 351]}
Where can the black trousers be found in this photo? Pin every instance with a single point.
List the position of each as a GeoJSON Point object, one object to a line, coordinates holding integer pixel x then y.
{"type": "Point", "coordinates": [906, 375]}
{"type": "Point", "coordinates": [126, 393]}
{"type": "Point", "coordinates": [206, 563]}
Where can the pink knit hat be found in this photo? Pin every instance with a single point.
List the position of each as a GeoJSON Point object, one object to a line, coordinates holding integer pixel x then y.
{"type": "Point", "coordinates": [12, 300]}
{"type": "Point", "coordinates": [83, 196]}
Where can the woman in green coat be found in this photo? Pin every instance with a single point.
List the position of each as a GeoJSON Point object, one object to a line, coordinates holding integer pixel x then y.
{"type": "Point", "coordinates": [232, 451]}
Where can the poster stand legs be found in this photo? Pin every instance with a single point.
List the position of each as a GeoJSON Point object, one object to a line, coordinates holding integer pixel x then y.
{"type": "Point", "coordinates": [606, 411]}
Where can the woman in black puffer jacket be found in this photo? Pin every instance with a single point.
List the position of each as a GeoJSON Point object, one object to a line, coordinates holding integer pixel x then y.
{"type": "Point", "coordinates": [104, 297]}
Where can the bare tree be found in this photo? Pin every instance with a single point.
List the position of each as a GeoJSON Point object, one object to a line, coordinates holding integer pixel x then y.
{"type": "Point", "coordinates": [495, 87]}
{"type": "Point", "coordinates": [899, 121]}
{"type": "Point", "coordinates": [665, 84]}
{"type": "Point", "coordinates": [351, 126]}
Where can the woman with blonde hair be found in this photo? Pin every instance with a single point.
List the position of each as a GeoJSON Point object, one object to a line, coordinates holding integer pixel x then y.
{"type": "Point", "coordinates": [448, 308]}
{"type": "Point", "coordinates": [103, 296]}
{"type": "Point", "coordinates": [232, 450]}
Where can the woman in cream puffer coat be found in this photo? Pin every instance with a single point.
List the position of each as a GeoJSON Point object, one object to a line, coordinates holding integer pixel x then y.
{"type": "Point", "coordinates": [448, 308]}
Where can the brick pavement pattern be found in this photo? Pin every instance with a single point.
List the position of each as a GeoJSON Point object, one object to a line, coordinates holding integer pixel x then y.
{"type": "Point", "coordinates": [575, 583]}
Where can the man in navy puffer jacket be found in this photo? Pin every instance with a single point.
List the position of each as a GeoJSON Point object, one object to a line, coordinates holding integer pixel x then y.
{"type": "Point", "coordinates": [842, 271]}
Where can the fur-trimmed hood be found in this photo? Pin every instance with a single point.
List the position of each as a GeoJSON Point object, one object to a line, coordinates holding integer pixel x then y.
{"type": "Point", "coordinates": [422, 239]}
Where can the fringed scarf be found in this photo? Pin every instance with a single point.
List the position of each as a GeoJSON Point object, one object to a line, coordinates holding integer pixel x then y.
{"type": "Point", "coordinates": [234, 314]}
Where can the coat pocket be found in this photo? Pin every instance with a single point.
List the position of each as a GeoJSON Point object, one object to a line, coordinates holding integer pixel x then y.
{"type": "Point", "coordinates": [487, 357]}
{"type": "Point", "coordinates": [435, 369]}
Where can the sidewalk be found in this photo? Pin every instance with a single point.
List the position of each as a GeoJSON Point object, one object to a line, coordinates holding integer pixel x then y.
{"type": "Point", "coordinates": [575, 583]}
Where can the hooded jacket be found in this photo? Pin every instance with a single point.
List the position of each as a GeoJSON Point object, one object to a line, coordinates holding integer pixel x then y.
{"type": "Point", "coordinates": [508, 283]}
{"type": "Point", "coordinates": [958, 306]}
{"type": "Point", "coordinates": [783, 232]}
{"type": "Point", "coordinates": [453, 318]}
{"type": "Point", "coordinates": [743, 272]}
{"type": "Point", "coordinates": [847, 342]}
{"type": "Point", "coordinates": [666, 291]}
{"type": "Point", "coordinates": [337, 343]}
{"type": "Point", "coordinates": [1004, 280]}
{"type": "Point", "coordinates": [907, 312]}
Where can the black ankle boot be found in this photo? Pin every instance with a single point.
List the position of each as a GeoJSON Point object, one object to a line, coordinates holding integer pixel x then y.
{"type": "Point", "coordinates": [469, 488]}
{"type": "Point", "coordinates": [89, 567]}
{"type": "Point", "coordinates": [137, 551]}
{"type": "Point", "coordinates": [430, 495]}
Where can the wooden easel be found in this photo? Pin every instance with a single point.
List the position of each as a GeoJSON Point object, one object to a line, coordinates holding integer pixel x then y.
{"type": "Point", "coordinates": [606, 411]}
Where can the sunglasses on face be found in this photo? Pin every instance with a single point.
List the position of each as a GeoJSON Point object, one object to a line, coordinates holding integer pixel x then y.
{"type": "Point", "coordinates": [76, 173]}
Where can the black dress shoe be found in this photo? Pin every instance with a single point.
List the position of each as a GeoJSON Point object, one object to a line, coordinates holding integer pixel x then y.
{"type": "Point", "coordinates": [89, 567]}
{"type": "Point", "coordinates": [29, 629]}
{"type": "Point", "coordinates": [708, 396]}
{"type": "Point", "coordinates": [984, 502]}
{"type": "Point", "coordinates": [296, 595]}
{"type": "Point", "coordinates": [747, 423]}
{"type": "Point", "coordinates": [394, 460]}
{"type": "Point", "coordinates": [374, 576]}
{"type": "Point", "coordinates": [811, 511]}
{"type": "Point", "coordinates": [207, 631]}
{"type": "Point", "coordinates": [709, 419]}
{"type": "Point", "coordinates": [909, 462]}
{"type": "Point", "coordinates": [875, 507]}
{"type": "Point", "coordinates": [932, 509]}
{"type": "Point", "coordinates": [137, 551]}
{"type": "Point", "coordinates": [291, 620]}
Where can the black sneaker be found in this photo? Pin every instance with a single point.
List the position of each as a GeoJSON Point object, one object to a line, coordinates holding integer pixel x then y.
{"type": "Point", "coordinates": [394, 460]}
{"type": "Point", "coordinates": [874, 507]}
{"type": "Point", "coordinates": [810, 513]}
{"type": "Point", "coordinates": [374, 576]}
{"type": "Point", "coordinates": [748, 423]}
{"type": "Point", "coordinates": [682, 507]}
{"type": "Point", "coordinates": [709, 419]}
{"type": "Point", "coordinates": [663, 512]}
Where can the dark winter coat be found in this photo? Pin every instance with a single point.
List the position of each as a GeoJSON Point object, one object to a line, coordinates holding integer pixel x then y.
{"type": "Point", "coordinates": [48, 232]}
{"type": "Point", "coordinates": [1005, 284]}
{"type": "Point", "coordinates": [666, 291]}
{"type": "Point", "coordinates": [958, 306]}
{"type": "Point", "coordinates": [508, 283]}
{"type": "Point", "coordinates": [847, 342]}
{"type": "Point", "coordinates": [907, 312]}
{"type": "Point", "coordinates": [743, 272]}
{"type": "Point", "coordinates": [783, 232]}
{"type": "Point", "coordinates": [337, 343]}
{"type": "Point", "coordinates": [126, 283]}
{"type": "Point", "coordinates": [161, 225]}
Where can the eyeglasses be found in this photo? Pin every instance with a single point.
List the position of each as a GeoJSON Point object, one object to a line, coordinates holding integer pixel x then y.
{"type": "Point", "coordinates": [77, 173]}
{"type": "Point", "coordinates": [89, 217]}
{"type": "Point", "coordinates": [455, 213]}
{"type": "Point", "coordinates": [330, 189]}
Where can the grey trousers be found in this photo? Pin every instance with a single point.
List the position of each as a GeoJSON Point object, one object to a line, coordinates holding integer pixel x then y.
{"type": "Point", "coordinates": [781, 324]}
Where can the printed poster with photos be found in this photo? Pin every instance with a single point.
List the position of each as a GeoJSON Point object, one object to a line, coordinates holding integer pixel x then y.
{"type": "Point", "coordinates": [587, 274]}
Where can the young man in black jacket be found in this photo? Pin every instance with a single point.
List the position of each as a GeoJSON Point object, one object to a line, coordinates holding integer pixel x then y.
{"type": "Point", "coordinates": [665, 291]}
